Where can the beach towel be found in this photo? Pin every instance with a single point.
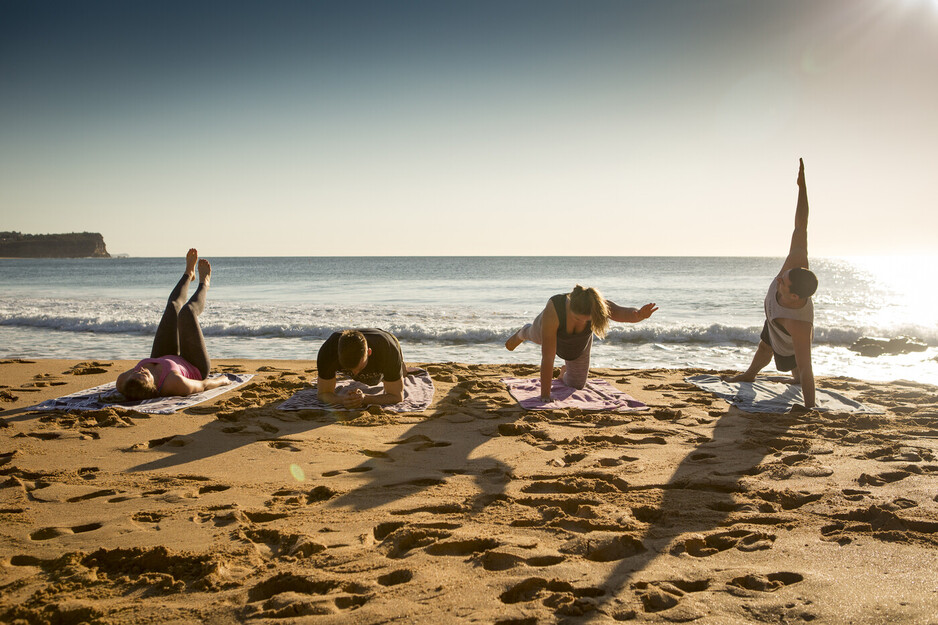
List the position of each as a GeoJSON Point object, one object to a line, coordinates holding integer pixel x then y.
{"type": "Point", "coordinates": [598, 394]}
{"type": "Point", "coordinates": [774, 397]}
{"type": "Point", "coordinates": [418, 393]}
{"type": "Point", "coordinates": [106, 396]}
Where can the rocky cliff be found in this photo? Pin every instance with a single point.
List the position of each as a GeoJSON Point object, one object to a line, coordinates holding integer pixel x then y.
{"type": "Point", "coordinates": [72, 245]}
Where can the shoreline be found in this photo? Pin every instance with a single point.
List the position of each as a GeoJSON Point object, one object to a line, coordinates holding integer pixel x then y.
{"type": "Point", "coordinates": [693, 510]}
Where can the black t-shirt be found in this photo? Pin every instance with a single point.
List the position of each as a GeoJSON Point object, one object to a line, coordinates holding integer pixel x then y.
{"type": "Point", "coordinates": [385, 362]}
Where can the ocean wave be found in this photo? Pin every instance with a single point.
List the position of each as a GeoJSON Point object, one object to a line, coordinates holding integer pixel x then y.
{"type": "Point", "coordinates": [449, 332]}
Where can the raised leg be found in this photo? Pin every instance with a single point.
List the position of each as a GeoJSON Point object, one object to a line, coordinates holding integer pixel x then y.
{"type": "Point", "coordinates": [514, 341]}
{"type": "Point", "coordinates": [191, 342]}
{"type": "Point", "coordinates": [166, 341]}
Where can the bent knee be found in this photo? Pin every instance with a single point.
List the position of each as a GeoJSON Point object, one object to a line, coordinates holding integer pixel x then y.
{"type": "Point", "coordinates": [577, 382]}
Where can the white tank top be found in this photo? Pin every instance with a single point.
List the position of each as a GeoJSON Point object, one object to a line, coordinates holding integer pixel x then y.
{"type": "Point", "coordinates": [781, 339]}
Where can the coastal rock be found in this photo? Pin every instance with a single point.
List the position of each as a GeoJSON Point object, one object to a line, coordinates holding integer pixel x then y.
{"type": "Point", "coordinates": [869, 346]}
{"type": "Point", "coordinates": [71, 245]}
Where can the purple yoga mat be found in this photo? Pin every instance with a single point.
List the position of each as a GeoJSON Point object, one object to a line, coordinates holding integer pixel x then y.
{"type": "Point", "coordinates": [598, 394]}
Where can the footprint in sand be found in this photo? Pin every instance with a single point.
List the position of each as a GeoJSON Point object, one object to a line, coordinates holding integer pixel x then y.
{"type": "Point", "coordinates": [285, 444]}
{"type": "Point", "coordinates": [213, 488]}
{"type": "Point", "coordinates": [710, 544]}
{"type": "Point", "coordinates": [148, 517]}
{"type": "Point", "coordinates": [882, 478]}
{"type": "Point", "coordinates": [399, 540]}
{"type": "Point", "coordinates": [446, 508]}
{"type": "Point", "coordinates": [658, 596]}
{"type": "Point", "coordinates": [395, 578]}
{"type": "Point", "coordinates": [462, 547]}
{"type": "Point", "coordinates": [563, 597]}
{"type": "Point", "coordinates": [766, 583]}
{"type": "Point", "coordinates": [275, 544]}
{"type": "Point", "coordinates": [48, 533]}
{"type": "Point", "coordinates": [351, 470]}
{"type": "Point", "coordinates": [108, 492]}
{"type": "Point", "coordinates": [605, 548]}
{"type": "Point", "coordinates": [420, 442]}
{"type": "Point", "coordinates": [169, 441]}
{"type": "Point", "coordinates": [788, 499]}
{"type": "Point", "coordinates": [88, 473]}
{"type": "Point", "coordinates": [287, 595]}
{"type": "Point", "coordinates": [592, 481]}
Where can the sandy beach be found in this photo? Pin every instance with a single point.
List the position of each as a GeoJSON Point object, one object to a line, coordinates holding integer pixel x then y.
{"type": "Point", "coordinates": [473, 511]}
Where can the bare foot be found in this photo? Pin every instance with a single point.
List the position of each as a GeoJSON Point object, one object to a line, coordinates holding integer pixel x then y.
{"type": "Point", "coordinates": [513, 341]}
{"type": "Point", "coordinates": [560, 375]}
{"type": "Point", "coordinates": [192, 256]}
{"type": "Point", "coordinates": [205, 272]}
{"type": "Point", "coordinates": [742, 377]}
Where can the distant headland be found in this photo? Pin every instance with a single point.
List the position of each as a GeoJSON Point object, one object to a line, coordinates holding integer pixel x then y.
{"type": "Point", "coordinates": [71, 245]}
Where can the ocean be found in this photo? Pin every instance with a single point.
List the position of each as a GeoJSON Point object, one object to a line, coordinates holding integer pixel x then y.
{"type": "Point", "coordinates": [463, 308]}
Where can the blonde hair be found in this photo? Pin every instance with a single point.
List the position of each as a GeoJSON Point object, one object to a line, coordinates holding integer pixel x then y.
{"type": "Point", "coordinates": [589, 301]}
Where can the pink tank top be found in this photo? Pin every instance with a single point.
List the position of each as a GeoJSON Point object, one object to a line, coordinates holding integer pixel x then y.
{"type": "Point", "coordinates": [173, 364]}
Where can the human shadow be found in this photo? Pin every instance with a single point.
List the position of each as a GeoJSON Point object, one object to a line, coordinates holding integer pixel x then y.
{"type": "Point", "coordinates": [237, 425]}
{"type": "Point", "coordinates": [439, 447]}
{"type": "Point", "coordinates": [702, 510]}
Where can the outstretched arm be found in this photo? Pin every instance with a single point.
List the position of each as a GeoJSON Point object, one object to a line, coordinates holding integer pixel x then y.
{"type": "Point", "coordinates": [798, 252]}
{"type": "Point", "coordinates": [623, 314]}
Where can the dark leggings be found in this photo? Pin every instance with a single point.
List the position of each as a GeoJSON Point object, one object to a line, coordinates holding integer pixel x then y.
{"type": "Point", "coordinates": [179, 333]}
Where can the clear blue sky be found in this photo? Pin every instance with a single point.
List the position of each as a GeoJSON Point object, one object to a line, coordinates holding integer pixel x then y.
{"type": "Point", "coordinates": [538, 127]}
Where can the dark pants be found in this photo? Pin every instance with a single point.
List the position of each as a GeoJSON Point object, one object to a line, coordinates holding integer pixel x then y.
{"type": "Point", "coordinates": [782, 363]}
{"type": "Point", "coordinates": [179, 333]}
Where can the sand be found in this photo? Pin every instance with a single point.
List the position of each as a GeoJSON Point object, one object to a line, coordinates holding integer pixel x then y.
{"type": "Point", "coordinates": [471, 512]}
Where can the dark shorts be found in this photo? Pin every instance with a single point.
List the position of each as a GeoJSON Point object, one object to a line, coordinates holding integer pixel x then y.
{"type": "Point", "coordinates": [782, 363]}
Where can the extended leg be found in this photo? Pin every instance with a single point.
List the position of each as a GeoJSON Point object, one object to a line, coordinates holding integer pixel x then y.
{"type": "Point", "coordinates": [528, 332]}
{"type": "Point", "coordinates": [762, 357]}
{"type": "Point", "coordinates": [166, 341]}
{"type": "Point", "coordinates": [191, 342]}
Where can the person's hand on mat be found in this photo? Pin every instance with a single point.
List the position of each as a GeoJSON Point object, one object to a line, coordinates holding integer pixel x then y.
{"type": "Point", "coordinates": [353, 399]}
{"type": "Point", "coordinates": [546, 400]}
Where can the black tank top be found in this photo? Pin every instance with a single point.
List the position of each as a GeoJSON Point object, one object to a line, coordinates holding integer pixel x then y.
{"type": "Point", "coordinates": [569, 346]}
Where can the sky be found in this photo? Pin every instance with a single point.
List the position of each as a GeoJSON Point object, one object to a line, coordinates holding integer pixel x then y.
{"type": "Point", "coordinates": [471, 128]}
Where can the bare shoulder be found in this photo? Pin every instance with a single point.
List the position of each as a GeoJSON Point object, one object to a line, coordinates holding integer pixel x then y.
{"type": "Point", "coordinates": [550, 314]}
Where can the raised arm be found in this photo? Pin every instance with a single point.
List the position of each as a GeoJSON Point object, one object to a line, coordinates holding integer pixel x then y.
{"type": "Point", "coordinates": [798, 252]}
{"type": "Point", "coordinates": [623, 314]}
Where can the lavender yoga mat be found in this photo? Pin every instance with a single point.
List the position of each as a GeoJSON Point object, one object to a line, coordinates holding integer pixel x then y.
{"type": "Point", "coordinates": [598, 394]}
{"type": "Point", "coordinates": [418, 393]}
